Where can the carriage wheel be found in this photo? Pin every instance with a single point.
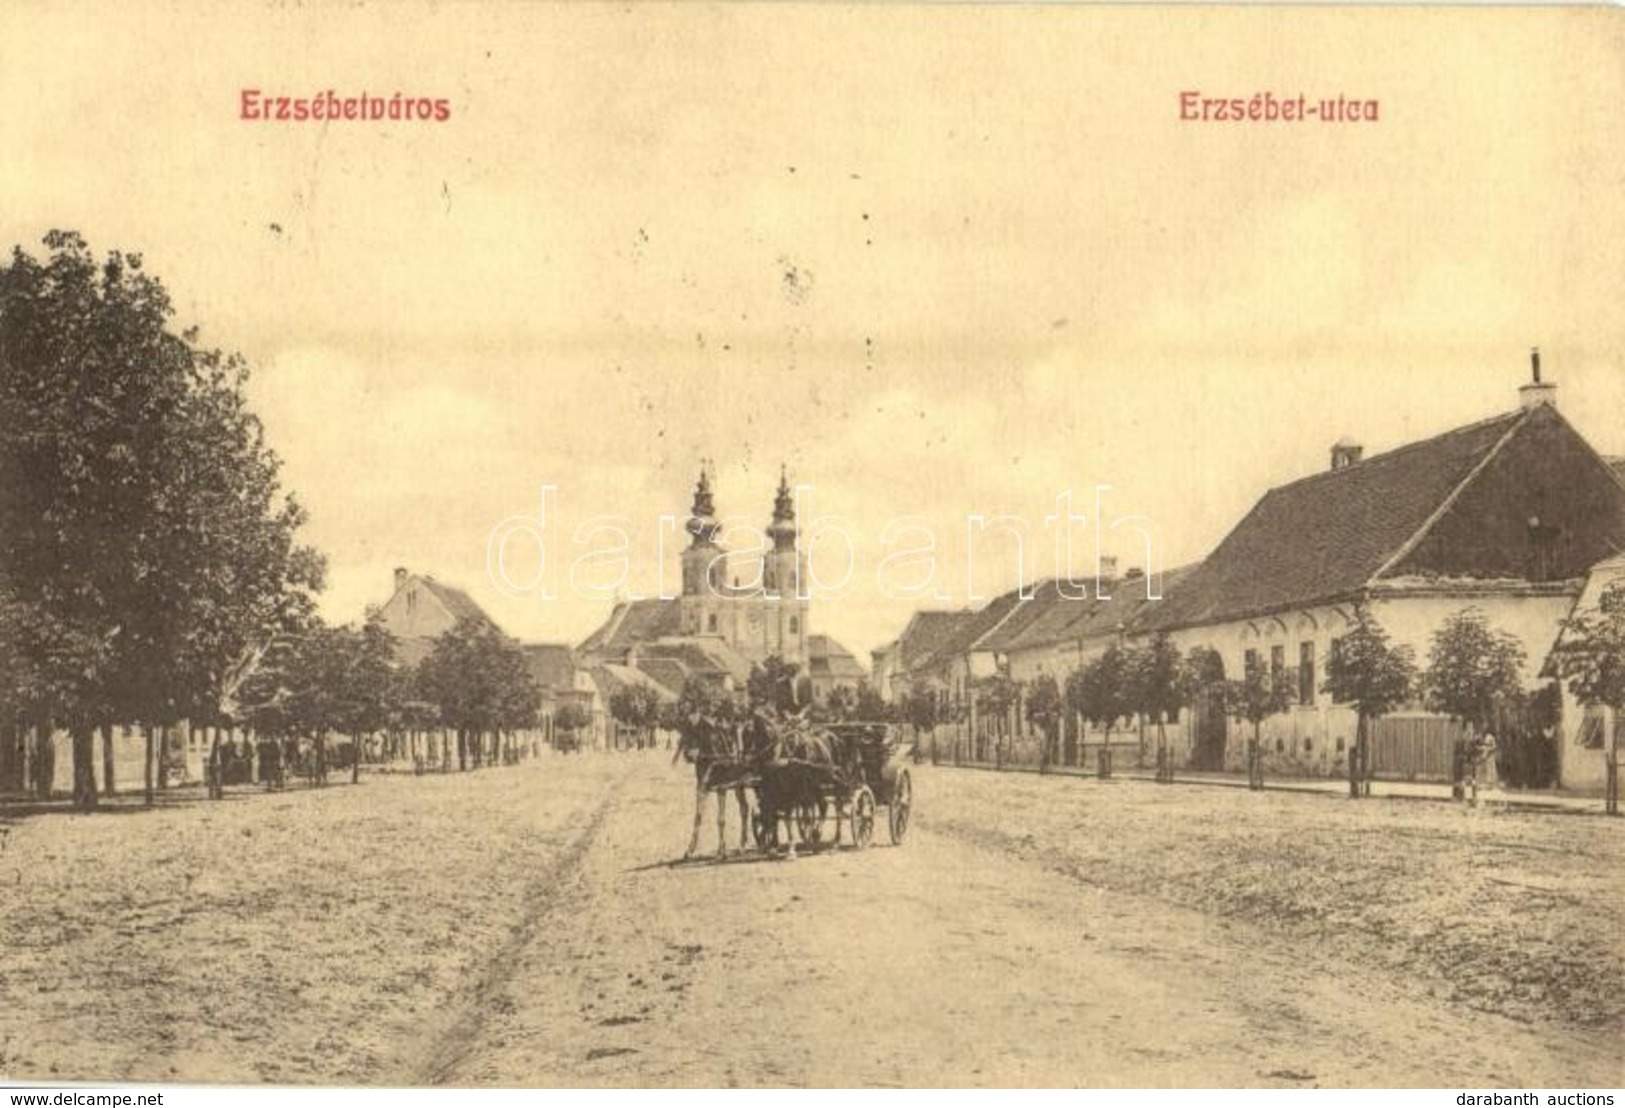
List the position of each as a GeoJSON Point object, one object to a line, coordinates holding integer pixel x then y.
{"type": "Point", "coordinates": [902, 803]}
{"type": "Point", "coordinates": [810, 821]}
{"type": "Point", "coordinates": [863, 817]}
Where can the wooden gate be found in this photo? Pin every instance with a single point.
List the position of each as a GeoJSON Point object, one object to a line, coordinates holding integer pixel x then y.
{"type": "Point", "coordinates": [1414, 748]}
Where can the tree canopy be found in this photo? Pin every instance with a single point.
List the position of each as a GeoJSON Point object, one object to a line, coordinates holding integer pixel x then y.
{"type": "Point", "coordinates": [1473, 669]}
{"type": "Point", "coordinates": [146, 546]}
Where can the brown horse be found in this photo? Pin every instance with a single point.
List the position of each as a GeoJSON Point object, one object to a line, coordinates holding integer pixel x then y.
{"type": "Point", "coordinates": [797, 760]}
{"type": "Point", "coordinates": [717, 750]}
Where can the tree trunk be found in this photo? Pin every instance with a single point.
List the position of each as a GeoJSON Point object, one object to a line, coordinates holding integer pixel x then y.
{"type": "Point", "coordinates": [108, 784]}
{"type": "Point", "coordinates": [151, 798]}
{"type": "Point", "coordinates": [44, 765]}
{"type": "Point", "coordinates": [1355, 756]}
{"type": "Point", "coordinates": [217, 786]}
{"type": "Point", "coordinates": [1611, 771]}
{"type": "Point", "coordinates": [84, 767]}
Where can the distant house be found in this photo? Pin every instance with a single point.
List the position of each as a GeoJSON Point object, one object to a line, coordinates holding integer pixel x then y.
{"type": "Point", "coordinates": [831, 666]}
{"type": "Point", "coordinates": [561, 680]}
{"type": "Point", "coordinates": [613, 679]}
{"type": "Point", "coordinates": [1507, 516]}
{"type": "Point", "coordinates": [1516, 516]}
{"type": "Point", "coordinates": [420, 609]}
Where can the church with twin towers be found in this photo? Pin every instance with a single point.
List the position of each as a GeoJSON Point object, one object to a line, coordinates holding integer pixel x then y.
{"type": "Point", "coordinates": [723, 623]}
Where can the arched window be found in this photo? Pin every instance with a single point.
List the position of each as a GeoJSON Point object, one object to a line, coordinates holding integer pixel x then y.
{"type": "Point", "coordinates": [711, 622]}
{"type": "Point", "coordinates": [795, 625]}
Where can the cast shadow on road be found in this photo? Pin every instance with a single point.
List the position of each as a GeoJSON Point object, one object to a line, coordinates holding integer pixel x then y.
{"type": "Point", "coordinates": [754, 857]}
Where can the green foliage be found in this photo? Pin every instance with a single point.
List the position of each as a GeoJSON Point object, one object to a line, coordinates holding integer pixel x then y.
{"type": "Point", "coordinates": [637, 706]}
{"type": "Point", "coordinates": [572, 716]}
{"type": "Point", "coordinates": [841, 704]}
{"type": "Point", "coordinates": [772, 685]}
{"type": "Point", "coordinates": [1161, 682]}
{"type": "Point", "coordinates": [1472, 669]}
{"type": "Point", "coordinates": [869, 705]}
{"type": "Point", "coordinates": [1591, 653]}
{"type": "Point", "coordinates": [325, 679]}
{"type": "Point", "coordinates": [1367, 672]}
{"type": "Point", "coordinates": [1262, 692]}
{"type": "Point", "coordinates": [921, 708]}
{"type": "Point", "coordinates": [145, 541]}
{"type": "Point", "coordinates": [1045, 706]}
{"type": "Point", "coordinates": [994, 694]}
{"type": "Point", "coordinates": [478, 680]}
{"type": "Point", "coordinates": [1103, 691]}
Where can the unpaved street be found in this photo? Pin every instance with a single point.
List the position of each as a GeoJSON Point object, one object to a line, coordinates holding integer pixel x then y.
{"type": "Point", "coordinates": [526, 927]}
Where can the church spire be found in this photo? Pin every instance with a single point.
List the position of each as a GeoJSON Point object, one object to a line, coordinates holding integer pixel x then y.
{"type": "Point", "coordinates": [702, 519]}
{"type": "Point", "coordinates": [783, 528]}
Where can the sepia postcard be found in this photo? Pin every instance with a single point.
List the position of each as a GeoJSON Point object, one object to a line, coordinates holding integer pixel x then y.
{"type": "Point", "coordinates": [677, 546]}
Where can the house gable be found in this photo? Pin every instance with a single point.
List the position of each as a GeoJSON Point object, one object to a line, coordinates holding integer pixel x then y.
{"type": "Point", "coordinates": [1543, 507]}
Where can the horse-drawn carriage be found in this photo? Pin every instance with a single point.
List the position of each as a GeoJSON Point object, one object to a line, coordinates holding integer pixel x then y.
{"type": "Point", "coordinates": [866, 770]}
{"type": "Point", "coordinates": [812, 782]}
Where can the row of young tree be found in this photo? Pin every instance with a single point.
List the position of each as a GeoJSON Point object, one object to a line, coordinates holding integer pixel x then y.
{"type": "Point", "coordinates": [322, 681]}
{"type": "Point", "coordinates": [150, 568]}
{"type": "Point", "coordinates": [1473, 674]}
{"type": "Point", "coordinates": [774, 684]}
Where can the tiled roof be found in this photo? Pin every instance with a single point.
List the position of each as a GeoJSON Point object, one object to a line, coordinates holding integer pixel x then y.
{"type": "Point", "coordinates": [927, 635]}
{"type": "Point", "coordinates": [1055, 615]}
{"type": "Point", "coordinates": [611, 679]}
{"type": "Point", "coordinates": [457, 602]}
{"type": "Point", "coordinates": [553, 665]}
{"type": "Point", "coordinates": [828, 658]}
{"type": "Point", "coordinates": [668, 671]}
{"type": "Point", "coordinates": [700, 655]}
{"type": "Point", "coordinates": [1618, 466]}
{"type": "Point", "coordinates": [1324, 537]}
{"type": "Point", "coordinates": [632, 623]}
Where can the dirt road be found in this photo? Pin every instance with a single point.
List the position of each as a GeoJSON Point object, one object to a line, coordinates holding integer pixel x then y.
{"type": "Point", "coordinates": [526, 927]}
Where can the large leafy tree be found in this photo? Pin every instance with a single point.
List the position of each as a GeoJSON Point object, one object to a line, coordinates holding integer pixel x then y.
{"type": "Point", "coordinates": [142, 525]}
{"type": "Point", "coordinates": [481, 684]}
{"type": "Point", "coordinates": [1374, 677]}
{"type": "Point", "coordinates": [322, 680]}
{"type": "Point", "coordinates": [1591, 657]}
{"type": "Point", "coordinates": [1474, 671]}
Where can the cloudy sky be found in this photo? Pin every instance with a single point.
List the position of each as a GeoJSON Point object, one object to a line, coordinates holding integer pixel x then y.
{"type": "Point", "coordinates": [939, 261]}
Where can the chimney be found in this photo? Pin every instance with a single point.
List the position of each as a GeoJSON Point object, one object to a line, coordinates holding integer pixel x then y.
{"type": "Point", "coordinates": [1536, 392]}
{"type": "Point", "coordinates": [1346, 452]}
{"type": "Point", "coordinates": [400, 578]}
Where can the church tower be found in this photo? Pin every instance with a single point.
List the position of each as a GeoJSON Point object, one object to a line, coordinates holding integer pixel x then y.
{"type": "Point", "coordinates": [704, 563]}
{"type": "Point", "coordinates": [783, 574]}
